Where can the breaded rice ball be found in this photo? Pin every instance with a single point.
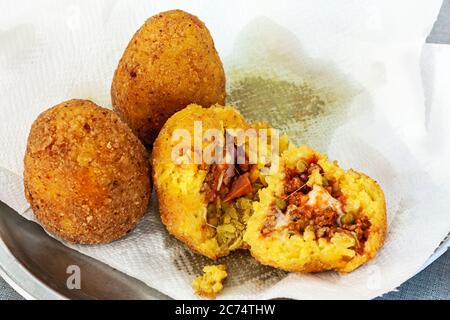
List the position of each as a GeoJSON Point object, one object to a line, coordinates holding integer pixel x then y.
{"type": "Point", "coordinates": [303, 215]}
{"type": "Point", "coordinates": [314, 216]}
{"type": "Point", "coordinates": [169, 63]}
{"type": "Point", "coordinates": [188, 209]}
{"type": "Point", "coordinates": [86, 174]}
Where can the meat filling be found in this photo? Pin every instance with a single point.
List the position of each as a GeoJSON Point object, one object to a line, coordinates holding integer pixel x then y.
{"type": "Point", "coordinates": [229, 191]}
{"type": "Point", "coordinates": [321, 207]}
{"type": "Point", "coordinates": [227, 181]}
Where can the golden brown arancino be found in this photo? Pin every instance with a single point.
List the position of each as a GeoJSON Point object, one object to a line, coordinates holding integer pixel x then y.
{"type": "Point", "coordinates": [169, 63]}
{"type": "Point", "coordinates": [332, 220]}
{"type": "Point", "coordinates": [321, 218]}
{"type": "Point", "coordinates": [182, 204]}
{"type": "Point", "coordinates": [86, 174]}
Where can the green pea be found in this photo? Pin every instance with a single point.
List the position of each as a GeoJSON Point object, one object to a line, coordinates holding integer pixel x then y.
{"type": "Point", "coordinates": [257, 186]}
{"type": "Point", "coordinates": [211, 208]}
{"type": "Point", "coordinates": [347, 219]}
{"type": "Point", "coordinates": [281, 204]}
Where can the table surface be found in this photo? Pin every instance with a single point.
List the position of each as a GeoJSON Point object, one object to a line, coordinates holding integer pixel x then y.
{"type": "Point", "coordinates": [432, 282]}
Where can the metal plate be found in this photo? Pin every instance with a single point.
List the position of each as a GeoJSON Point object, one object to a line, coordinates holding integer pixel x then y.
{"type": "Point", "coordinates": [35, 265]}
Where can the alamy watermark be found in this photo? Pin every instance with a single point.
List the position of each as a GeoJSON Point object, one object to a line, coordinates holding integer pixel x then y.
{"type": "Point", "coordinates": [234, 146]}
{"type": "Point", "coordinates": [74, 279]}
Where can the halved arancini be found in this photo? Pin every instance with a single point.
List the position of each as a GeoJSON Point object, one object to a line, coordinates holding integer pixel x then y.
{"type": "Point", "coordinates": [314, 216]}
{"type": "Point", "coordinates": [297, 212]}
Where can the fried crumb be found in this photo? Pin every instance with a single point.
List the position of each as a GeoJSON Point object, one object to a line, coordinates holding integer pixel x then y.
{"type": "Point", "coordinates": [210, 283]}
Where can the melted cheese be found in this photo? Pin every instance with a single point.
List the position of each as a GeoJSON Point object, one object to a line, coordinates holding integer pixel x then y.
{"type": "Point", "coordinates": [281, 219]}
{"type": "Point", "coordinates": [320, 198]}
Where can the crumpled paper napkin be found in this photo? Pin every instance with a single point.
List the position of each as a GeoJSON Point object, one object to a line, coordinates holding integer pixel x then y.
{"type": "Point", "coordinates": [347, 78]}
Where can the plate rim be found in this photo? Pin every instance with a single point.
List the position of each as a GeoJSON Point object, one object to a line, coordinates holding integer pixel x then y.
{"type": "Point", "coordinates": [31, 288]}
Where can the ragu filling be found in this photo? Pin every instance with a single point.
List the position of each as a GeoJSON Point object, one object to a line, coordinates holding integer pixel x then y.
{"type": "Point", "coordinates": [229, 191]}
{"type": "Point", "coordinates": [321, 207]}
{"type": "Point", "coordinates": [227, 181]}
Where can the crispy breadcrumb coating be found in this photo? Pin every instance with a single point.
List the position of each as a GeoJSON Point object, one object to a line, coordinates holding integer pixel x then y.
{"type": "Point", "coordinates": [86, 174]}
{"type": "Point", "coordinates": [169, 63]}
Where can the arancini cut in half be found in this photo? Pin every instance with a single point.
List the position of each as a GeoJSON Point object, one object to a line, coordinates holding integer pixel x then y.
{"type": "Point", "coordinates": [190, 211]}
{"type": "Point", "coordinates": [293, 209]}
{"type": "Point", "coordinates": [314, 216]}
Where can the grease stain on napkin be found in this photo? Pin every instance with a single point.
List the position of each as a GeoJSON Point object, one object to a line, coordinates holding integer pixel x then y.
{"type": "Point", "coordinates": [301, 96]}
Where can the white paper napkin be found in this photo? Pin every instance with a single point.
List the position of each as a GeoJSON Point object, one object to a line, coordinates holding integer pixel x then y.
{"type": "Point", "coordinates": [344, 77]}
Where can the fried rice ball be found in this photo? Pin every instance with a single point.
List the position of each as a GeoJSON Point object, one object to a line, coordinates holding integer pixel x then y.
{"type": "Point", "coordinates": [179, 183]}
{"type": "Point", "coordinates": [86, 174]}
{"type": "Point", "coordinates": [303, 215]}
{"type": "Point", "coordinates": [169, 63]}
{"type": "Point", "coordinates": [314, 216]}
